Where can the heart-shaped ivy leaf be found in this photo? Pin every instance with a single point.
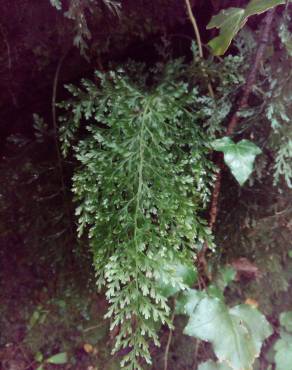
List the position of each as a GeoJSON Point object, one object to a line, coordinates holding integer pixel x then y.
{"type": "Point", "coordinates": [239, 157]}
{"type": "Point", "coordinates": [236, 333]}
{"type": "Point", "coordinates": [231, 20]}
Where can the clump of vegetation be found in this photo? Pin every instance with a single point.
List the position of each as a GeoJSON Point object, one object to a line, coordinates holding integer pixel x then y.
{"type": "Point", "coordinates": [169, 162]}
{"type": "Point", "coordinates": [145, 179]}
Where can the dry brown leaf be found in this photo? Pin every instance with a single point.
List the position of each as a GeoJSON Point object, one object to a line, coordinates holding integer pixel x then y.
{"type": "Point", "coordinates": [88, 348]}
{"type": "Point", "coordinates": [252, 302]}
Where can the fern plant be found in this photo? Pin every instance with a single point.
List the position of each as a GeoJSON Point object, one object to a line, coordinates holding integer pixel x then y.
{"type": "Point", "coordinates": [278, 112]}
{"type": "Point", "coordinates": [78, 12]}
{"type": "Point", "coordinates": [144, 178]}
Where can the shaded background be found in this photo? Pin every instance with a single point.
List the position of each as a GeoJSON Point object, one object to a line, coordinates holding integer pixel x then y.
{"type": "Point", "coordinates": [48, 302]}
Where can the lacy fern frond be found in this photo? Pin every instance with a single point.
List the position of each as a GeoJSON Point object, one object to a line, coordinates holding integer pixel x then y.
{"type": "Point", "coordinates": [278, 113]}
{"type": "Point", "coordinates": [143, 179]}
{"type": "Point", "coordinates": [283, 163]}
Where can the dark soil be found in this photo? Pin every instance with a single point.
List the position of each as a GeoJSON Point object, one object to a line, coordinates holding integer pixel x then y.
{"type": "Point", "coordinates": [45, 312]}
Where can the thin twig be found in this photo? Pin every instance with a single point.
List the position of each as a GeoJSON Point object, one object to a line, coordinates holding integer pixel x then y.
{"type": "Point", "coordinates": [55, 129]}
{"type": "Point", "coordinates": [199, 42]}
{"type": "Point", "coordinates": [23, 352]}
{"type": "Point", "coordinates": [196, 28]}
{"type": "Point", "coordinates": [7, 46]}
{"type": "Point", "coordinates": [197, 346]}
{"type": "Point", "coordinates": [30, 365]}
{"type": "Point", "coordinates": [168, 344]}
{"type": "Point", "coordinates": [9, 62]}
{"type": "Point", "coordinates": [92, 327]}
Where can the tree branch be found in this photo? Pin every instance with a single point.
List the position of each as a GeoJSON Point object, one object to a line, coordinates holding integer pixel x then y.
{"type": "Point", "coordinates": [233, 122]}
{"type": "Point", "coordinates": [243, 102]}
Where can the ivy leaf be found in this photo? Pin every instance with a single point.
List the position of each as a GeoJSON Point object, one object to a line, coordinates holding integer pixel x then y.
{"type": "Point", "coordinates": [58, 359]}
{"type": "Point", "coordinates": [239, 157]}
{"type": "Point", "coordinates": [283, 356]}
{"type": "Point", "coordinates": [184, 274]}
{"type": "Point", "coordinates": [222, 279]}
{"type": "Point", "coordinates": [187, 302]}
{"type": "Point", "coordinates": [226, 275]}
{"type": "Point", "coordinates": [215, 292]}
{"type": "Point", "coordinates": [236, 333]}
{"type": "Point", "coordinates": [261, 6]}
{"type": "Point", "coordinates": [211, 365]}
{"type": "Point", "coordinates": [286, 320]}
{"type": "Point", "coordinates": [231, 20]}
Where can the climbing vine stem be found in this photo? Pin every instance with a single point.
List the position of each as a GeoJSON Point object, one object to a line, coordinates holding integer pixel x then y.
{"type": "Point", "coordinates": [199, 42]}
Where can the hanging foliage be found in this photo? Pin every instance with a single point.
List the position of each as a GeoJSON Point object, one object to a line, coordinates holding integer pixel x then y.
{"type": "Point", "coordinates": [143, 180]}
